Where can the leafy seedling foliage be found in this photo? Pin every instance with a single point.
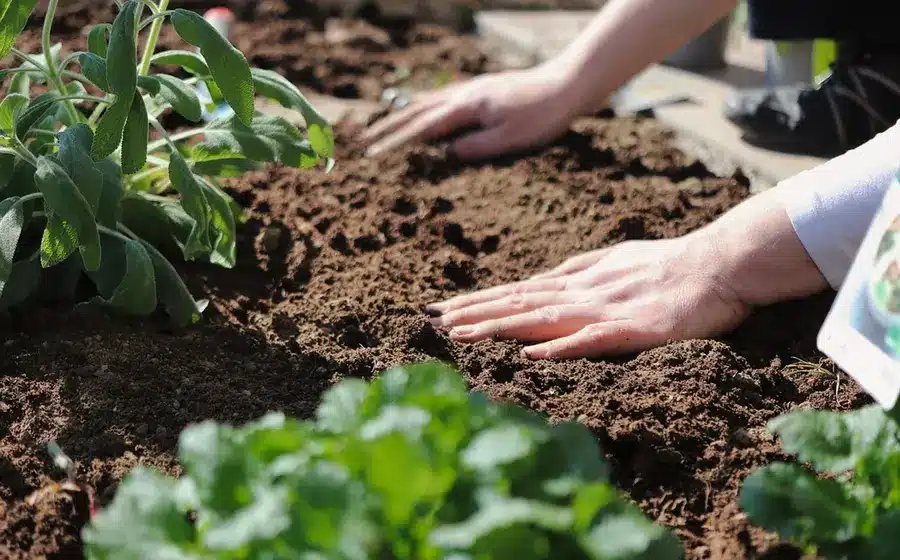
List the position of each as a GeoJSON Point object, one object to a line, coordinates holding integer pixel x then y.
{"type": "Point", "coordinates": [411, 466]}
{"type": "Point", "coordinates": [849, 507]}
{"type": "Point", "coordinates": [85, 192]}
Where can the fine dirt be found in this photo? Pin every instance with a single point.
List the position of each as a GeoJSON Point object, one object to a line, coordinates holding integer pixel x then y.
{"type": "Point", "coordinates": [333, 275]}
{"type": "Point", "coordinates": [334, 271]}
{"type": "Point", "coordinates": [353, 59]}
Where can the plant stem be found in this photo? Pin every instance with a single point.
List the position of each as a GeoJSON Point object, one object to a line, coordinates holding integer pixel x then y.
{"type": "Point", "coordinates": [52, 73]}
{"type": "Point", "coordinates": [138, 177]}
{"type": "Point", "coordinates": [85, 98]}
{"type": "Point", "coordinates": [29, 59]}
{"type": "Point", "coordinates": [153, 37]}
{"type": "Point", "coordinates": [114, 233]}
{"type": "Point", "coordinates": [76, 76]}
{"type": "Point", "coordinates": [175, 138]}
{"type": "Point", "coordinates": [30, 197]}
{"type": "Point", "coordinates": [151, 5]}
{"type": "Point", "coordinates": [165, 134]}
{"type": "Point", "coordinates": [23, 152]}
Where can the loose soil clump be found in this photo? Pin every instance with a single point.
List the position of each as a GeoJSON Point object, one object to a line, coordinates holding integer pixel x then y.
{"type": "Point", "coordinates": [334, 272]}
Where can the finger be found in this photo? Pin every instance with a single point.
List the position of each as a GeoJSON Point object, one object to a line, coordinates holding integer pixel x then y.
{"type": "Point", "coordinates": [497, 292]}
{"type": "Point", "coordinates": [432, 124]}
{"type": "Point", "coordinates": [597, 339]}
{"type": "Point", "coordinates": [421, 102]}
{"type": "Point", "coordinates": [544, 323]}
{"type": "Point", "coordinates": [488, 143]}
{"type": "Point", "coordinates": [514, 304]}
{"type": "Point", "coordinates": [572, 265]}
{"type": "Point", "coordinates": [396, 120]}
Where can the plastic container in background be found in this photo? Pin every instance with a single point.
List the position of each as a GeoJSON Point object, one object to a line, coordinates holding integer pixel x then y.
{"type": "Point", "coordinates": [862, 331]}
{"type": "Point", "coordinates": [706, 52]}
{"type": "Point", "coordinates": [789, 63]}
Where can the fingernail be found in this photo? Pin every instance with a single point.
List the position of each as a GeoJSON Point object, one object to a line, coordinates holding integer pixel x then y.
{"type": "Point", "coordinates": [534, 353]}
{"type": "Point", "coordinates": [462, 332]}
{"type": "Point", "coordinates": [437, 323]}
{"type": "Point", "coordinates": [431, 311]}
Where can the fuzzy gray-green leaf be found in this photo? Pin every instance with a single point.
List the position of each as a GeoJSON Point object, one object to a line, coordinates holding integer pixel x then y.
{"type": "Point", "coordinates": [190, 61]}
{"type": "Point", "coordinates": [10, 109]}
{"type": "Point", "coordinates": [121, 68]}
{"type": "Point", "coordinates": [268, 139]}
{"type": "Point", "coordinates": [109, 211]}
{"type": "Point", "coordinates": [136, 291]}
{"type": "Point", "coordinates": [13, 21]}
{"type": "Point", "coordinates": [97, 39]}
{"type": "Point", "coordinates": [134, 138]}
{"type": "Point", "coordinates": [33, 114]}
{"type": "Point", "coordinates": [75, 156]}
{"type": "Point", "coordinates": [222, 225]}
{"type": "Point", "coordinates": [227, 65]}
{"type": "Point", "coordinates": [12, 221]}
{"type": "Point", "coordinates": [277, 87]}
{"type": "Point", "coordinates": [65, 200]}
{"type": "Point", "coordinates": [108, 135]}
{"type": "Point", "coordinates": [182, 97]}
{"type": "Point", "coordinates": [172, 293]}
{"type": "Point", "coordinates": [59, 241]}
{"type": "Point", "coordinates": [194, 202]}
{"type": "Point", "coordinates": [24, 281]}
{"type": "Point", "coordinates": [94, 69]}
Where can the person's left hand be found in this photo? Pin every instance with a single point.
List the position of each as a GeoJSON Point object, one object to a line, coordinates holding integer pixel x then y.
{"type": "Point", "coordinates": [627, 298]}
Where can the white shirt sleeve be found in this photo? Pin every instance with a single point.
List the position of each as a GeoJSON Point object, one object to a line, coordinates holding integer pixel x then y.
{"type": "Point", "coordinates": [832, 205]}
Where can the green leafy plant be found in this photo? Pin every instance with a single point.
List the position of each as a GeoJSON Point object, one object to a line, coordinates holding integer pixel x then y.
{"type": "Point", "coordinates": [410, 466]}
{"type": "Point", "coordinates": [853, 510]}
{"type": "Point", "coordinates": [85, 190]}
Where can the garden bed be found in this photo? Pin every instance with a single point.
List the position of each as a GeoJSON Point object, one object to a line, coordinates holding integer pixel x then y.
{"type": "Point", "coordinates": [334, 271]}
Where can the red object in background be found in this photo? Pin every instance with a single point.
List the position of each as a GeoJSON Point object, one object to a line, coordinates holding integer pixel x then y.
{"type": "Point", "coordinates": [222, 19]}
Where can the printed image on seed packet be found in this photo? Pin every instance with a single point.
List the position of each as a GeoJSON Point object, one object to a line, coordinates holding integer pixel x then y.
{"type": "Point", "coordinates": [862, 331]}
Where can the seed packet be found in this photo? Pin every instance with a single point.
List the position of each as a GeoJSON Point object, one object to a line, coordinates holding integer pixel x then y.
{"type": "Point", "coordinates": [862, 331]}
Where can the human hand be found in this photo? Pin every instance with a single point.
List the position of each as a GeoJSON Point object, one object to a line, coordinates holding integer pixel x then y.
{"type": "Point", "coordinates": [623, 299]}
{"type": "Point", "coordinates": [516, 110]}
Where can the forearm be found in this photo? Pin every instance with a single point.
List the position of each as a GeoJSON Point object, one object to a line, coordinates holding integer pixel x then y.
{"type": "Point", "coordinates": [626, 37]}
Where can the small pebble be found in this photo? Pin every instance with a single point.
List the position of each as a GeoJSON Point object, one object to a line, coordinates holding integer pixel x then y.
{"type": "Point", "coordinates": [176, 404]}
{"type": "Point", "coordinates": [160, 432]}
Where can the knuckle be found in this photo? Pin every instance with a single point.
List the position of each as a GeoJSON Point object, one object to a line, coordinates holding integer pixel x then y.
{"type": "Point", "coordinates": [548, 315]}
{"type": "Point", "coordinates": [517, 301]}
{"type": "Point", "coordinates": [595, 332]}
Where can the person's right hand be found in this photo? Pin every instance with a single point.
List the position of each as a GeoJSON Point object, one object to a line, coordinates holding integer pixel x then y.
{"type": "Point", "coordinates": [515, 110]}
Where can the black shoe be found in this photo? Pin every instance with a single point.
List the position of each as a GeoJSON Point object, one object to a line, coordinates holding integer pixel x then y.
{"type": "Point", "coordinates": [860, 99]}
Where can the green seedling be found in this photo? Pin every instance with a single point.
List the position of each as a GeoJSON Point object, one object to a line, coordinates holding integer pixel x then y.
{"type": "Point", "coordinates": [848, 505]}
{"type": "Point", "coordinates": [85, 191]}
{"type": "Point", "coordinates": [411, 466]}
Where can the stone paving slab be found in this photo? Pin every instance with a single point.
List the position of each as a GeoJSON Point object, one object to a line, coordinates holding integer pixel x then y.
{"type": "Point", "coordinates": [525, 38]}
{"type": "Point", "coordinates": [332, 108]}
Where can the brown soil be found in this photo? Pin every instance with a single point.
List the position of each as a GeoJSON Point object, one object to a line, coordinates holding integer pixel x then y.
{"type": "Point", "coordinates": [333, 275]}
{"type": "Point", "coordinates": [355, 59]}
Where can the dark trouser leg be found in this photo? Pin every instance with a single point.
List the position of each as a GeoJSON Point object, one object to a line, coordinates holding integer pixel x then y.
{"type": "Point", "coordinates": [843, 20]}
{"type": "Point", "coordinates": [859, 100]}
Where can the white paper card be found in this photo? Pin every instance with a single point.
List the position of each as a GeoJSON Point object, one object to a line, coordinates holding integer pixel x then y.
{"type": "Point", "coordinates": [862, 331]}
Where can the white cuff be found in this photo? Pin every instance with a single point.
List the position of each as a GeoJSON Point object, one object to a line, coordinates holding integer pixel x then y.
{"type": "Point", "coordinates": [832, 205]}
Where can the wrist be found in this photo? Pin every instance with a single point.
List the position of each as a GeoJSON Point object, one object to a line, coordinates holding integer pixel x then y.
{"type": "Point", "coordinates": [756, 254]}
{"type": "Point", "coordinates": [570, 90]}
